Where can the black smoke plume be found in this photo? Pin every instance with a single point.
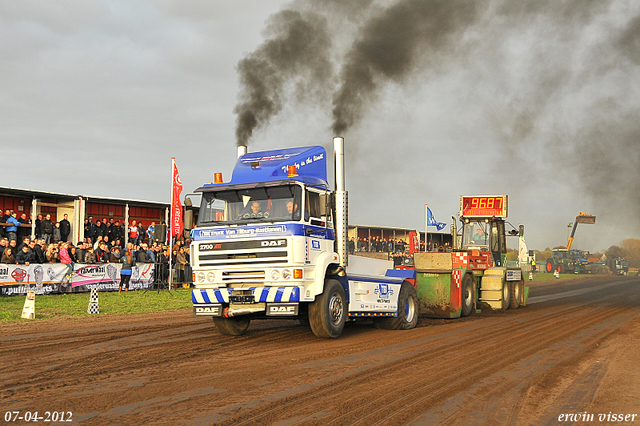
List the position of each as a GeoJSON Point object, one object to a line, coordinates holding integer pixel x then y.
{"type": "Point", "coordinates": [389, 47]}
{"type": "Point", "coordinates": [296, 52]}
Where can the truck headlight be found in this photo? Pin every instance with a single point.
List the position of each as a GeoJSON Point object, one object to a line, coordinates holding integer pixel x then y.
{"type": "Point", "coordinates": [275, 274]}
{"type": "Point", "coordinates": [211, 277]}
{"type": "Point", "coordinates": [286, 274]}
{"type": "Point", "coordinates": [200, 277]}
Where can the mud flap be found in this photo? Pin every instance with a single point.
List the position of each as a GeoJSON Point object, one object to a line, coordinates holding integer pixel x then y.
{"type": "Point", "coordinates": [525, 297]}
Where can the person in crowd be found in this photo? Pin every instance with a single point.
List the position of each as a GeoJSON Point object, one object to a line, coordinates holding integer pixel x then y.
{"type": "Point", "coordinates": [97, 242]}
{"type": "Point", "coordinates": [57, 236]}
{"type": "Point", "coordinates": [133, 232]}
{"type": "Point", "coordinates": [24, 256]}
{"type": "Point", "coordinates": [151, 229]}
{"type": "Point", "coordinates": [91, 231]}
{"type": "Point", "coordinates": [13, 245]}
{"type": "Point", "coordinates": [90, 256]}
{"type": "Point", "coordinates": [151, 253]}
{"type": "Point", "coordinates": [102, 253]}
{"type": "Point", "coordinates": [352, 246]}
{"type": "Point", "coordinates": [52, 254]}
{"type": "Point", "coordinates": [64, 254]}
{"type": "Point", "coordinates": [104, 228]}
{"type": "Point", "coordinates": [25, 242]}
{"type": "Point", "coordinates": [8, 257]}
{"type": "Point", "coordinates": [47, 229]}
{"type": "Point", "coordinates": [12, 227]}
{"type": "Point", "coordinates": [65, 228]}
{"type": "Point", "coordinates": [141, 255]}
{"type": "Point", "coordinates": [39, 226]}
{"type": "Point", "coordinates": [141, 233]}
{"type": "Point", "coordinates": [4, 243]}
{"type": "Point", "coordinates": [128, 262]}
{"type": "Point", "coordinates": [98, 229]}
{"type": "Point", "coordinates": [65, 259]}
{"type": "Point", "coordinates": [114, 256]}
{"type": "Point", "coordinates": [181, 262]}
{"type": "Point", "coordinates": [86, 229]}
{"type": "Point", "coordinates": [81, 251]}
{"type": "Point", "coordinates": [24, 231]}
{"type": "Point", "coordinates": [72, 250]}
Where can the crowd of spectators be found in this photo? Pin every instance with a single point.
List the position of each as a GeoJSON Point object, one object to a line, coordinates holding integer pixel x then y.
{"type": "Point", "coordinates": [397, 249]}
{"type": "Point", "coordinates": [103, 243]}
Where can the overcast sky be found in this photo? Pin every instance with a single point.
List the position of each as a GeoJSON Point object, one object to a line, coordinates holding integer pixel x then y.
{"type": "Point", "coordinates": [535, 99]}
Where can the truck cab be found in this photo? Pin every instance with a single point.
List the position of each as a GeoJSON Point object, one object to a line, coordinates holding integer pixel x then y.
{"type": "Point", "coordinates": [272, 242]}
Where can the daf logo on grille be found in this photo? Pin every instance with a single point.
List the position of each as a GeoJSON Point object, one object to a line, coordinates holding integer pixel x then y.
{"type": "Point", "coordinates": [273, 243]}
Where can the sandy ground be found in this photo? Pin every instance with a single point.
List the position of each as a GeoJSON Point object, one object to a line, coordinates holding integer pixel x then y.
{"type": "Point", "coordinates": [572, 351]}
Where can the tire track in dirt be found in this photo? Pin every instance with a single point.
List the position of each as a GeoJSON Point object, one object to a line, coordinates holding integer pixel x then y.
{"type": "Point", "coordinates": [374, 402]}
{"type": "Point", "coordinates": [180, 370]}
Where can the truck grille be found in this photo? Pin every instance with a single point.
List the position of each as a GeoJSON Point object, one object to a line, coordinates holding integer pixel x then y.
{"type": "Point", "coordinates": [241, 261]}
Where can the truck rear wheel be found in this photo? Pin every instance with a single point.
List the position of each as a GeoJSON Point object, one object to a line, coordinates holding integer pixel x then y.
{"type": "Point", "coordinates": [467, 295]}
{"type": "Point", "coordinates": [328, 313]}
{"type": "Point", "coordinates": [407, 311]}
{"type": "Point", "coordinates": [233, 326]}
{"type": "Point", "coordinates": [516, 294]}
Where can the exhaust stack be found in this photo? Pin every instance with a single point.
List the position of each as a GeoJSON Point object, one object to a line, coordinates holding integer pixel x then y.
{"type": "Point", "coordinates": [242, 150]}
{"type": "Point", "coordinates": [342, 207]}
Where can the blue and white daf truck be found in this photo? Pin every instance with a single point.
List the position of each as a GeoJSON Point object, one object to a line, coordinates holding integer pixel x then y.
{"type": "Point", "coordinates": [272, 243]}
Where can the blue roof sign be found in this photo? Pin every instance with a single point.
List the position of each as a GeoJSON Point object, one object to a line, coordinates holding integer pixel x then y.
{"type": "Point", "coordinates": [262, 166]}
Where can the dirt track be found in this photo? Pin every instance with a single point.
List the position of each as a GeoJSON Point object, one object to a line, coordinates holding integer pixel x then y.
{"type": "Point", "coordinates": [572, 350]}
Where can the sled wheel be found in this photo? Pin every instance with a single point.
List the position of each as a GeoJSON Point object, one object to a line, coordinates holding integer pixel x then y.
{"type": "Point", "coordinates": [517, 287]}
{"type": "Point", "coordinates": [467, 295]}
{"type": "Point", "coordinates": [506, 294]}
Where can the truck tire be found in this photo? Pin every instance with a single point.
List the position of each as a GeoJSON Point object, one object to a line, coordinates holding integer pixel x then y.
{"type": "Point", "coordinates": [516, 294]}
{"type": "Point", "coordinates": [468, 298]}
{"type": "Point", "coordinates": [328, 313]}
{"type": "Point", "coordinates": [407, 311]}
{"type": "Point", "coordinates": [234, 326]}
{"type": "Point", "coordinates": [506, 294]}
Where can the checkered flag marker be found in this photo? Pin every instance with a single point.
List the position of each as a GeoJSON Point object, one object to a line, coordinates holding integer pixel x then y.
{"type": "Point", "coordinates": [93, 307]}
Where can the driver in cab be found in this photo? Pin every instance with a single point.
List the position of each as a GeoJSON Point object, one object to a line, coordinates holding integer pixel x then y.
{"type": "Point", "coordinates": [256, 210]}
{"type": "Point", "coordinates": [480, 237]}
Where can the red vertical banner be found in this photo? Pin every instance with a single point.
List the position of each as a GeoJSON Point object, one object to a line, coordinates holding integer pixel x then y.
{"type": "Point", "coordinates": [176, 205]}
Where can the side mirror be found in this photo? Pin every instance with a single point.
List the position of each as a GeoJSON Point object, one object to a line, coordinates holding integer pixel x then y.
{"type": "Point", "coordinates": [521, 230]}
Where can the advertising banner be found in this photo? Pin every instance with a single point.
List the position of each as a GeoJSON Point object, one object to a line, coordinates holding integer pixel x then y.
{"type": "Point", "coordinates": [56, 278]}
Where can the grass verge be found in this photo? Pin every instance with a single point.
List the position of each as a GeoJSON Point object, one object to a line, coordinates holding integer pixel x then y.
{"type": "Point", "coordinates": [75, 304]}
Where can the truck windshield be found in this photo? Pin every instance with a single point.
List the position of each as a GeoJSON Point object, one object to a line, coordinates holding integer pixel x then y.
{"type": "Point", "coordinates": [476, 234]}
{"type": "Point", "coordinates": [266, 204]}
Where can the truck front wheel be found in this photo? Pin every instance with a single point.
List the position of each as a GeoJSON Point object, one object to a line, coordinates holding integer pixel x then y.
{"type": "Point", "coordinates": [328, 313]}
{"type": "Point", "coordinates": [233, 326]}
{"type": "Point", "coordinates": [407, 311]}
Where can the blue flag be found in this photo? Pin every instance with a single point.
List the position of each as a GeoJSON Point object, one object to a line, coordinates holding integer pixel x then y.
{"type": "Point", "coordinates": [431, 221]}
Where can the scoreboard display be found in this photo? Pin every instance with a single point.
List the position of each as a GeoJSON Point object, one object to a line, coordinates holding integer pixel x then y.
{"type": "Point", "coordinates": [483, 206]}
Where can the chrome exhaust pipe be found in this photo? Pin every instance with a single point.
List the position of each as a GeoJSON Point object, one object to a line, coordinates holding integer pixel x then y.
{"type": "Point", "coordinates": [342, 202]}
{"type": "Point", "coordinates": [242, 150]}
